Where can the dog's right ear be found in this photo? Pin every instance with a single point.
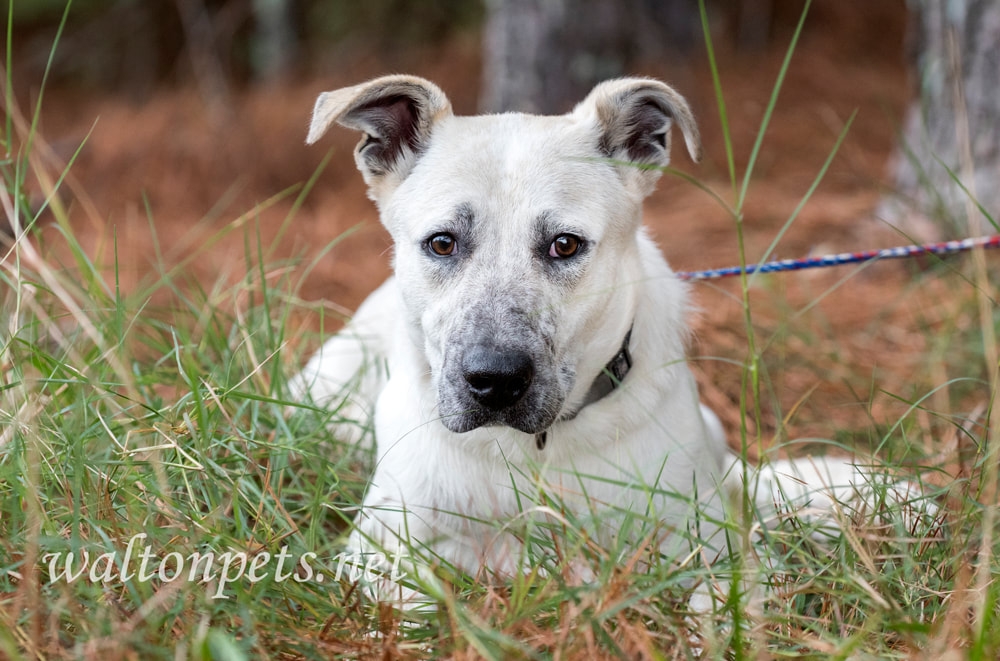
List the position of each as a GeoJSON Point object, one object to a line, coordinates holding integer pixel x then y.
{"type": "Point", "coordinates": [396, 114]}
{"type": "Point", "coordinates": [634, 117]}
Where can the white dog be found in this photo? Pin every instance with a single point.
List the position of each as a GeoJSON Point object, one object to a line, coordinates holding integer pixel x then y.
{"type": "Point", "coordinates": [533, 336]}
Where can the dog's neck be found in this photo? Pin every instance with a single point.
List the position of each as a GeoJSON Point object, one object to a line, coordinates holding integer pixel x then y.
{"type": "Point", "coordinates": [603, 384]}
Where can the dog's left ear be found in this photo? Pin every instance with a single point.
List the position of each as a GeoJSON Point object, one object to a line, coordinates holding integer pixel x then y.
{"type": "Point", "coordinates": [634, 117]}
{"type": "Point", "coordinates": [396, 114]}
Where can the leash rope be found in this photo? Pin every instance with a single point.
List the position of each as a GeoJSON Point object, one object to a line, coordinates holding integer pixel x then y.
{"type": "Point", "coordinates": [944, 248]}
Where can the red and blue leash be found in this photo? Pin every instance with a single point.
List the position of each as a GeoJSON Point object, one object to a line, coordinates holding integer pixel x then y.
{"type": "Point", "coordinates": [945, 248]}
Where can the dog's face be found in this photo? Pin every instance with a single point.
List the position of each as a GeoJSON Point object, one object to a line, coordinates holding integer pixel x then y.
{"type": "Point", "coordinates": [515, 235]}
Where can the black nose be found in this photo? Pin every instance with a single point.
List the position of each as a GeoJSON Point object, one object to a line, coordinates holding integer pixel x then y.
{"type": "Point", "coordinates": [497, 378]}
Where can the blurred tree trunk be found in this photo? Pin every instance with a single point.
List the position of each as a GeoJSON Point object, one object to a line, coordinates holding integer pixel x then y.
{"type": "Point", "coordinates": [544, 55]}
{"type": "Point", "coordinates": [954, 124]}
{"type": "Point", "coordinates": [274, 43]}
{"type": "Point", "coordinates": [200, 32]}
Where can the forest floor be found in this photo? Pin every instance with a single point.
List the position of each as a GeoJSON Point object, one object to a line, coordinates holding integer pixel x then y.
{"type": "Point", "coordinates": [840, 346]}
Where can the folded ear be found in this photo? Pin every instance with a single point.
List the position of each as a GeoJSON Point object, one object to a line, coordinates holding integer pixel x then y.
{"type": "Point", "coordinates": [634, 117]}
{"type": "Point", "coordinates": [396, 114]}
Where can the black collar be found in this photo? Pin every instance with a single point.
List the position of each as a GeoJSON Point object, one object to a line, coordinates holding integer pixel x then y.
{"type": "Point", "coordinates": [604, 383]}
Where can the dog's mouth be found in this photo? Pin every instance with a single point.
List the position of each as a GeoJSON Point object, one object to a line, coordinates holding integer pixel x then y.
{"type": "Point", "coordinates": [488, 385]}
{"type": "Point", "coordinates": [466, 421]}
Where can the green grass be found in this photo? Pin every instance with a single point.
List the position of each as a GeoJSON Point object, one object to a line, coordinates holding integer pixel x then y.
{"type": "Point", "coordinates": [163, 411]}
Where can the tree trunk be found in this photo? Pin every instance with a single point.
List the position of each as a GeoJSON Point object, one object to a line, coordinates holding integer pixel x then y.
{"type": "Point", "coordinates": [952, 130]}
{"type": "Point", "coordinates": [544, 55]}
{"type": "Point", "coordinates": [274, 42]}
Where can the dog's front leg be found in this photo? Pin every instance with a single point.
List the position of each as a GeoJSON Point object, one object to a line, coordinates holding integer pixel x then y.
{"type": "Point", "coordinates": [349, 371]}
{"type": "Point", "coordinates": [405, 544]}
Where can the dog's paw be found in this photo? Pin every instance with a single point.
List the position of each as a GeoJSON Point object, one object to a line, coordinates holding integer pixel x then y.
{"type": "Point", "coordinates": [828, 492]}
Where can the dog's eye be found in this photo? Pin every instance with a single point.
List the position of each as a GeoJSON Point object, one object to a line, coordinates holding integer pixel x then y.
{"type": "Point", "coordinates": [564, 245]}
{"type": "Point", "coordinates": [442, 244]}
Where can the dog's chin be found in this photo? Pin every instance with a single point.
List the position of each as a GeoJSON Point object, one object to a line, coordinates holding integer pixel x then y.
{"type": "Point", "coordinates": [530, 423]}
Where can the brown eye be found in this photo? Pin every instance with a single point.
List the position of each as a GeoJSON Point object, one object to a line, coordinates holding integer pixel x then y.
{"type": "Point", "coordinates": [564, 245]}
{"type": "Point", "coordinates": [442, 244]}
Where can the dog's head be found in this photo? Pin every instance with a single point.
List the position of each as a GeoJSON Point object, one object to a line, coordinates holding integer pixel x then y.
{"type": "Point", "coordinates": [516, 236]}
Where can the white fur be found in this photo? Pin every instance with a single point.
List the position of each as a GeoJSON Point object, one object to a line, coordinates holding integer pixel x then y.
{"type": "Point", "coordinates": [453, 492]}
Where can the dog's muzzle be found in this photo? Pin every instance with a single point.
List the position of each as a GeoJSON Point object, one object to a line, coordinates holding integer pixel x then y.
{"type": "Point", "coordinates": [484, 384]}
{"type": "Point", "coordinates": [496, 378]}
{"type": "Point", "coordinates": [488, 384]}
